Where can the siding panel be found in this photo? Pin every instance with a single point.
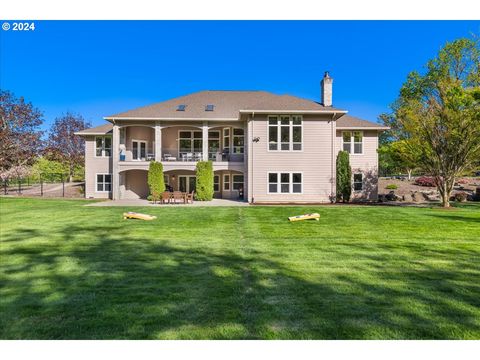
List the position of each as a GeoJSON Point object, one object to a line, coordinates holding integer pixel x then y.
{"type": "Point", "coordinates": [315, 162]}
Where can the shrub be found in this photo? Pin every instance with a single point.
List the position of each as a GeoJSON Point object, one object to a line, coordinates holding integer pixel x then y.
{"type": "Point", "coordinates": [344, 176]}
{"type": "Point", "coordinates": [425, 181]}
{"type": "Point", "coordinates": [461, 196]}
{"type": "Point", "coordinates": [204, 185]}
{"type": "Point", "coordinates": [156, 184]}
{"type": "Point", "coordinates": [391, 187]}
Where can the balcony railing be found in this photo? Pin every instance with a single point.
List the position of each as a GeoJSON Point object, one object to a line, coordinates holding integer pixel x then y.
{"type": "Point", "coordinates": [171, 155]}
{"type": "Point", "coordinates": [130, 154]}
{"type": "Point", "coordinates": [185, 155]}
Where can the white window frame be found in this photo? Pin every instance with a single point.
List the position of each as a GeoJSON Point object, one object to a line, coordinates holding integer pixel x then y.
{"type": "Point", "coordinates": [218, 183]}
{"type": "Point", "coordinates": [192, 141]}
{"type": "Point", "coordinates": [356, 182]}
{"type": "Point", "coordinates": [237, 182]}
{"type": "Point", "coordinates": [146, 149]}
{"type": "Point", "coordinates": [237, 136]}
{"type": "Point", "coordinates": [103, 147]}
{"type": "Point", "coordinates": [213, 157]}
{"type": "Point", "coordinates": [227, 182]}
{"type": "Point", "coordinates": [279, 183]}
{"type": "Point", "coordinates": [96, 183]}
{"type": "Point", "coordinates": [187, 182]}
{"type": "Point", "coordinates": [279, 132]}
{"type": "Point", "coordinates": [227, 137]}
{"type": "Point", "coordinates": [352, 141]}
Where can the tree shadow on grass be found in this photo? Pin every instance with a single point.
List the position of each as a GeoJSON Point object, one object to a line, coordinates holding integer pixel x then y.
{"type": "Point", "coordinates": [466, 219]}
{"type": "Point", "coordinates": [103, 283]}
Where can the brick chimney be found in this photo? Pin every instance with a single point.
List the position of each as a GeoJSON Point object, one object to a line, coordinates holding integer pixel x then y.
{"type": "Point", "coordinates": [326, 89]}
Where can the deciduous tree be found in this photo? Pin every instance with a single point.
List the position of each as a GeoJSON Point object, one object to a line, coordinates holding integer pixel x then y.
{"type": "Point", "coordinates": [402, 155]}
{"type": "Point", "coordinates": [63, 145]}
{"type": "Point", "coordinates": [20, 136]}
{"type": "Point", "coordinates": [438, 111]}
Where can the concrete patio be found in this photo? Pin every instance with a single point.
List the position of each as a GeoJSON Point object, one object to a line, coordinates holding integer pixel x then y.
{"type": "Point", "coordinates": [143, 202]}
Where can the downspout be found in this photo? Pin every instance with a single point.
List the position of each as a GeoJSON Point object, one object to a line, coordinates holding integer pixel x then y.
{"type": "Point", "coordinates": [253, 115]}
{"type": "Point", "coordinates": [333, 172]}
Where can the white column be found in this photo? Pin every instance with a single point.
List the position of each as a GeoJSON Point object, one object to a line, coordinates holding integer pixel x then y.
{"type": "Point", "coordinates": [246, 140]}
{"type": "Point", "coordinates": [115, 160]}
{"type": "Point", "coordinates": [158, 141]}
{"type": "Point", "coordinates": [250, 153]}
{"type": "Point", "coordinates": [205, 141]}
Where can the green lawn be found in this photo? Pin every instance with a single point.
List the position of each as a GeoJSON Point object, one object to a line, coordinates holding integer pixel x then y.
{"type": "Point", "coordinates": [73, 272]}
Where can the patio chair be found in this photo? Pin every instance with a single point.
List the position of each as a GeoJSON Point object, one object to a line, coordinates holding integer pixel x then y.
{"type": "Point", "coordinates": [166, 197]}
{"type": "Point", "coordinates": [189, 156]}
{"type": "Point", "coordinates": [190, 197]}
{"type": "Point", "coordinates": [178, 195]}
{"type": "Point", "coordinates": [198, 156]}
{"type": "Point", "coordinates": [166, 157]}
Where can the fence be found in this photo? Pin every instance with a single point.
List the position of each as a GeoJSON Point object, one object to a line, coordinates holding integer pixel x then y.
{"type": "Point", "coordinates": [45, 185]}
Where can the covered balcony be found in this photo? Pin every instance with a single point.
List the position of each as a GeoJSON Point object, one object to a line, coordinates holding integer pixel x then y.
{"type": "Point", "coordinates": [181, 144]}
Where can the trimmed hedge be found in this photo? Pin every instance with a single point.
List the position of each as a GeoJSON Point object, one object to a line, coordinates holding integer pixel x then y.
{"type": "Point", "coordinates": [344, 176]}
{"type": "Point", "coordinates": [204, 185]}
{"type": "Point", "coordinates": [155, 180]}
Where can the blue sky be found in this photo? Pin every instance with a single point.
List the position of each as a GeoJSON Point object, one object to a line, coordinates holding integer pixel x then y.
{"type": "Point", "coordinates": [98, 68]}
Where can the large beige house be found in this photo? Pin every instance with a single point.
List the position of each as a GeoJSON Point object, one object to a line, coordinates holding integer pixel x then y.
{"type": "Point", "coordinates": [272, 148]}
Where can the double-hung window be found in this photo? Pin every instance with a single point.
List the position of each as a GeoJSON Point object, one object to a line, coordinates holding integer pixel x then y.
{"type": "Point", "coordinates": [358, 182]}
{"type": "Point", "coordinates": [285, 133]}
{"type": "Point", "coordinates": [226, 182]}
{"type": "Point", "coordinates": [353, 142]}
{"type": "Point", "coordinates": [103, 146]}
{"type": "Point", "coordinates": [216, 183]}
{"type": "Point", "coordinates": [104, 182]}
{"type": "Point", "coordinates": [284, 183]}
{"type": "Point", "coordinates": [226, 140]}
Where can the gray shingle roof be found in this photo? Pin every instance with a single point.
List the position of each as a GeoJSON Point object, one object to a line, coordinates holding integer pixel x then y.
{"type": "Point", "coordinates": [98, 130]}
{"type": "Point", "coordinates": [351, 122]}
{"type": "Point", "coordinates": [227, 105]}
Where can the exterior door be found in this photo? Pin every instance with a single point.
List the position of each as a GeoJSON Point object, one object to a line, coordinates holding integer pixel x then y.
{"type": "Point", "coordinates": [139, 150]}
{"type": "Point", "coordinates": [187, 183]}
{"type": "Point", "coordinates": [213, 144]}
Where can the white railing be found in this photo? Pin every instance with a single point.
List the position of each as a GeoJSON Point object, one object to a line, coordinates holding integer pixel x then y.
{"type": "Point", "coordinates": [171, 155]}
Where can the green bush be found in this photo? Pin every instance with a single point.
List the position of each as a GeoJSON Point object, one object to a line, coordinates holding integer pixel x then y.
{"type": "Point", "coordinates": [204, 190]}
{"type": "Point", "coordinates": [49, 170]}
{"type": "Point", "coordinates": [155, 180]}
{"type": "Point", "coordinates": [344, 177]}
{"type": "Point", "coordinates": [391, 187]}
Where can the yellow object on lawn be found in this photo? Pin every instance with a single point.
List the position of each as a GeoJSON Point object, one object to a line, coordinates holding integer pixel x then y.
{"type": "Point", "coordinates": [134, 215]}
{"type": "Point", "coordinates": [312, 216]}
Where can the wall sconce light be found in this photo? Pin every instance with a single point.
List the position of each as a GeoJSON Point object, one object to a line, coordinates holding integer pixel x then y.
{"type": "Point", "coordinates": [173, 177]}
{"type": "Point", "coordinates": [256, 139]}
